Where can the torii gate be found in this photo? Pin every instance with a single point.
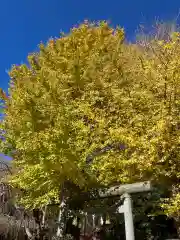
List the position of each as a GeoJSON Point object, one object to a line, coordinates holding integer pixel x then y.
{"type": "Point", "coordinates": [124, 191]}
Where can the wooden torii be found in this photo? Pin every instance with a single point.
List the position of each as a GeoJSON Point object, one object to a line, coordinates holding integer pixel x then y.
{"type": "Point", "coordinates": [125, 191]}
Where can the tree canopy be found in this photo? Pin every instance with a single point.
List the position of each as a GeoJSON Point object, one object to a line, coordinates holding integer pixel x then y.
{"type": "Point", "coordinates": [92, 109]}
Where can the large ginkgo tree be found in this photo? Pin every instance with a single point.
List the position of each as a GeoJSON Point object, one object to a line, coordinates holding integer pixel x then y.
{"type": "Point", "coordinates": [91, 109]}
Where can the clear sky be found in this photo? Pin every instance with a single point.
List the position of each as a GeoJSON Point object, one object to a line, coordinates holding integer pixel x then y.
{"type": "Point", "coordinates": [25, 23]}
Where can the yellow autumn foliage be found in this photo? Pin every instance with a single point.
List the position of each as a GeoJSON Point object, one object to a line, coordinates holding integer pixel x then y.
{"type": "Point", "coordinates": [88, 91]}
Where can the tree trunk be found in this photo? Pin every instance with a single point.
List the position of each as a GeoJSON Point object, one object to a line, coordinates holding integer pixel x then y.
{"type": "Point", "coordinates": [178, 227]}
{"type": "Point", "coordinates": [62, 213]}
{"type": "Point", "coordinates": [61, 219]}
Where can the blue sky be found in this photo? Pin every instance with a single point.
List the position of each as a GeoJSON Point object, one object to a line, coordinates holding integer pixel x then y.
{"type": "Point", "coordinates": [25, 23]}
